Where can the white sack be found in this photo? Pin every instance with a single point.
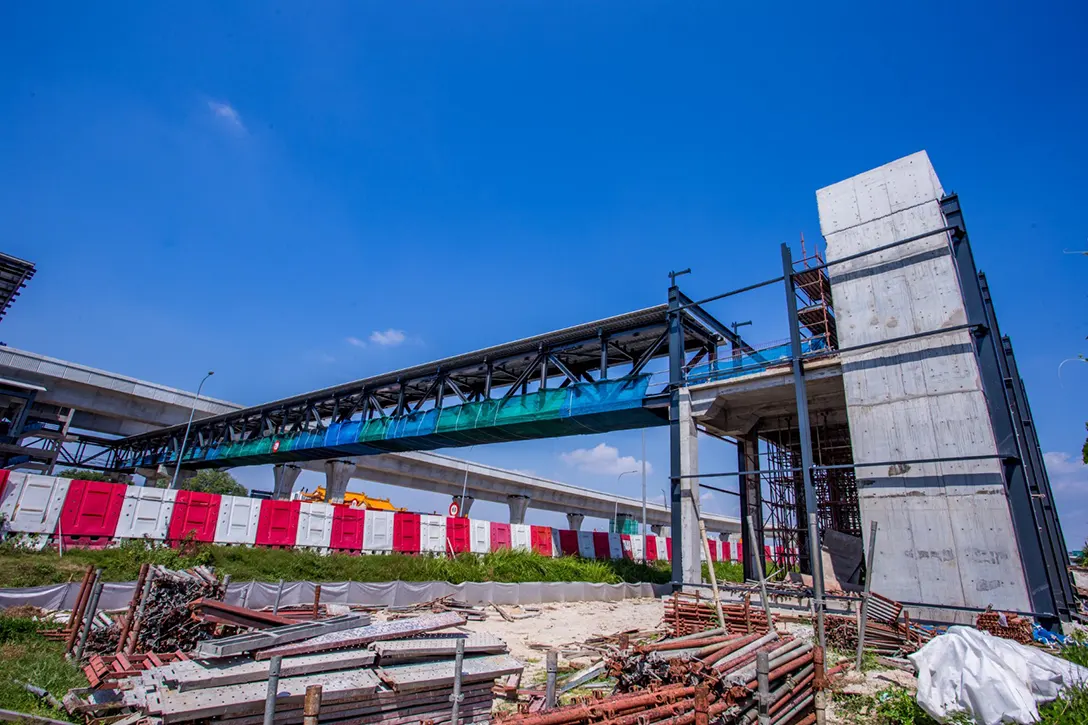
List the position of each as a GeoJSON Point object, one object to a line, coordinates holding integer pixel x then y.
{"type": "Point", "coordinates": [994, 680]}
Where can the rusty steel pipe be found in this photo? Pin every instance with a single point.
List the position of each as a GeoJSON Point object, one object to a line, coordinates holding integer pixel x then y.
{"type": "Point", "coordinates": [710, 656]}
{"type": "Point", "coordinates": [671, 644]}
{"type": "Point", "coordinates": [585, 711]}
{"type": "Point", "coordinates": [76, 618]}
{"type": "Point", "coordinates": [793, 692]}
{"type": "Point", "coordinates": [132, 604]}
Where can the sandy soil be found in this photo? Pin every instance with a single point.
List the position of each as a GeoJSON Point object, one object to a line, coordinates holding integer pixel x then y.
{"type": "Point", "coordinates": [573, 622]}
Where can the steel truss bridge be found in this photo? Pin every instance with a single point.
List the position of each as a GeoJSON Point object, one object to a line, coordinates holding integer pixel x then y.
{"type": "Point", "coordinates": [588, 378]}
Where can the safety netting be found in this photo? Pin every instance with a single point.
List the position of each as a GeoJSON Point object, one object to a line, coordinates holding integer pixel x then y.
{"type": "Point", "coordinates": [747, 363]}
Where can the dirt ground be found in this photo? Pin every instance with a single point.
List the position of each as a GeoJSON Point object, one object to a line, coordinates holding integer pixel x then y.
{"type": "Point", "coordinates": [565, 623]}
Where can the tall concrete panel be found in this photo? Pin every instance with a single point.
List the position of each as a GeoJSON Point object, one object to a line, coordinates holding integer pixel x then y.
{"type": "Point", "coordinates": [946, 533]}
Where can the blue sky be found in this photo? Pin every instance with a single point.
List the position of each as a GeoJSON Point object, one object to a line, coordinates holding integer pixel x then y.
{"type": "Point", "coordinates": [259, 188]}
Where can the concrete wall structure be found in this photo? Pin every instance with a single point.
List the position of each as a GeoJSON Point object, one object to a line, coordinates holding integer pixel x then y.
{"type": "Point", "coordinates": [946, 532]}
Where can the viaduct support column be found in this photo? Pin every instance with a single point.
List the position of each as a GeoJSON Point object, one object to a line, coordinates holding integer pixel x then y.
{"type": "Point", "coordinates": [284, 475]}
{"type": "Point", "coordinates": [463, 504]}
{"type": "Point", "coordinates": [518, 505]}
{"type": "Point", "coordinates": [690, 542]}
{"type": "Point", "coordinates": [337, 475]}
{"type": "Point", "coordinates": [657, 529]}
{"type": "Point", "coordinates": [574, 521]}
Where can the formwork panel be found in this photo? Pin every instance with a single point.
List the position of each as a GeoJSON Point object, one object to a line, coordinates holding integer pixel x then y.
{"type": "Point", "coordinates": [521, 537]}
{"type": "Point", "coordinates": [315, 523]}
{"type": "Point", "coordinates": [146, 513]}
{"type": "Point", "coordinates": [238, 520]}
{"type": "Point", "coordinates": [432, 534]}
{"type": "Point", "coordinates": [481, 536]}
{"type": "Point", "coordinates": [32, 503]}
{"type": "Point", "coordinates": [378, 532]}
{"type": "Point", "coordinates": [500, 536]}
{"type": "Point", "coordinates": [277, 523]}
{"type": "Point", "coordinates": [196, 516]}
{"type": "Point", "coordinates": [348, 526]}
{"type": "Point", "coordinates": [90, 513]}
{"type": "Point", "coordinates": [587, 547]}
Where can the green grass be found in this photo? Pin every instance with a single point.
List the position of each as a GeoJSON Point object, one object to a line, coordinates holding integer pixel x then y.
{"type": "Point", "coordinates": [22, 568]}
{"type": "Point", "coordinates": [26, 656]}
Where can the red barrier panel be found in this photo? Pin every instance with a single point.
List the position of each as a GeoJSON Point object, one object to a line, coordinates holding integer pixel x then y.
{"type": "Point", "coordinates": [500, 536]}
{"type": "Point", "coordinates": [601, 549]}
{"type": "Point", "coordinates": [668, 546]}
{"type": "Point", "coordinates": [278, 524]}
{"type": "Point", "coordinates": [541, 538]}
{"type": "Point", "coordinates": [90, 514]}
{"type": "Point", "coordinates": [625, 547]}
{"type": "Point", "coordinates": [195, 513]}
{"type": "Point", "coordinates": [740, 551]}
{"type": "Point", "coordinates": [4, 473]}
{"type": "Point", "coordinates": [406, 533]}
{"type": "Point", "coordinates": [458, 535]}
{"type": "Point", "coordinates": [347, 528]}
{"type": "Point", "coordinates": [649, 546]}
{"type": "Point", "coordinates": [713, 546]}
{"type": "Point", "coordinates": [568, 542]}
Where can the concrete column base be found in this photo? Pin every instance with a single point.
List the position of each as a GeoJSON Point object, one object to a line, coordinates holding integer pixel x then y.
{"type": "Point", "coordinates": [463, 504]}
{"type": "Point", "coordinates": [574, 521]}
{"type": "Point", "coordinates": [337, 476]}
{"type": "Point", "coordinates": [284, 476]}
{"type": "Point", "coordinates": [518, 506]}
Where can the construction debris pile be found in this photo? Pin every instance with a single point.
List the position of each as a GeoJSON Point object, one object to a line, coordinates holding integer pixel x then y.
{"type": "Point", "coordinates": [712, 676]}
{"type": "Point", "coordinates": [1006, 625]}
{"type": "Point", "coordinates": [403, 671]}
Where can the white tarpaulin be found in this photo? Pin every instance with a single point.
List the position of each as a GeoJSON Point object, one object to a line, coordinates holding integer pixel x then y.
{"type": "Point", "coordinates": [994, 680]}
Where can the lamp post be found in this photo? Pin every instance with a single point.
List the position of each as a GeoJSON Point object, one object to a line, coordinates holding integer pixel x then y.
{"type": "Point", "coordinates": [185, 438]}
{"type": "Point", "coordinates": [616, 514]}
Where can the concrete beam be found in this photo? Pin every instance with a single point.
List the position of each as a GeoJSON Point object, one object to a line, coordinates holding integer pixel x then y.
{"type": "Point", "coordinates": [689, 539]}
{"type": "Point", "coordinates": [518, 506]}
{"type": "Point", "coordinates": [284, 476]}
{"type": "Point", "coordinates": [574, 521]}
{"type": "Point", "coordinates": [337, 475]}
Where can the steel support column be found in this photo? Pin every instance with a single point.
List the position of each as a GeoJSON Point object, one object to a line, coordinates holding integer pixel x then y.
{"type": "Point", "coordinates": [803, 424]}
{"type": "Point", "coordinates": [988, 351]}
{"type": "Point", "coordinates": [676, 380]}
{"type": "Point", "coordinates": [751, 503]}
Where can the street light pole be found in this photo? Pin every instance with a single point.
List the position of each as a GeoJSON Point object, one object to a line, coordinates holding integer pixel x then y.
{"type": "Point", "coordinates": [185, 438]}
{"type": "Point", "coordinates": [616, 515]}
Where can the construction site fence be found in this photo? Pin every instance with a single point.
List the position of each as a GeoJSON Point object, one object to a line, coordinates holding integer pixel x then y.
{"type": "Point", "coordinates": [258, 595]}
{"type": "Point", "coordinates": [70, 513]}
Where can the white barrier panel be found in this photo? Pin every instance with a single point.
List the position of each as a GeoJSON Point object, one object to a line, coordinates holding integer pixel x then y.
{"type": "Point", "coordinates": [637, 547]}
{"type": "Point", "coordinates": [615, 546]}
{"type": "Point", "coordinates": [586, 549]}
{"type": "Point", "coordinates": [479, 536]}
{"type": "Point", "coordinates": [314, 525]}
{"type": "Point", "coordinates": [378, 531]}
{"type": "Point", "coordinates": [432, 534]}
{"type": "Point", "coordinates": [146, 512]}
{"type": "Point", "coordinates": [32, 503]}
{"type": "Point", "coordinates": [521, 537]}
{"type": "Point", "coordinates": [237, 523]}
{"type": "Point", "coordinates": [556, 549]}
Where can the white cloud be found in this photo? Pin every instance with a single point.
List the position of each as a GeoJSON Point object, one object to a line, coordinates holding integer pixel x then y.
{"type": "Point", "coordinates": [1066, 472]}
{"type": "Point", "coordinates": [228, 115]}
{"type": "Point", "coordinates": [389, 338]}
{"type": "Point", "coordinates": [603, 460]}
{"type": "Point", "coordinates": [355, 341]}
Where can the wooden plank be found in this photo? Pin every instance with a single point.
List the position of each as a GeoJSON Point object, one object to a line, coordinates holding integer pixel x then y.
{"type": "Point", "coordinates": [173, 706]}
{"type": "Point", "coordinates": [398, 629]}
{"type": "Point", "coordinates": [227, 646]}
{"type": "Point", "coordinates": [431, 675]}
{"type": "Point", "coordinates": [195, 675]}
